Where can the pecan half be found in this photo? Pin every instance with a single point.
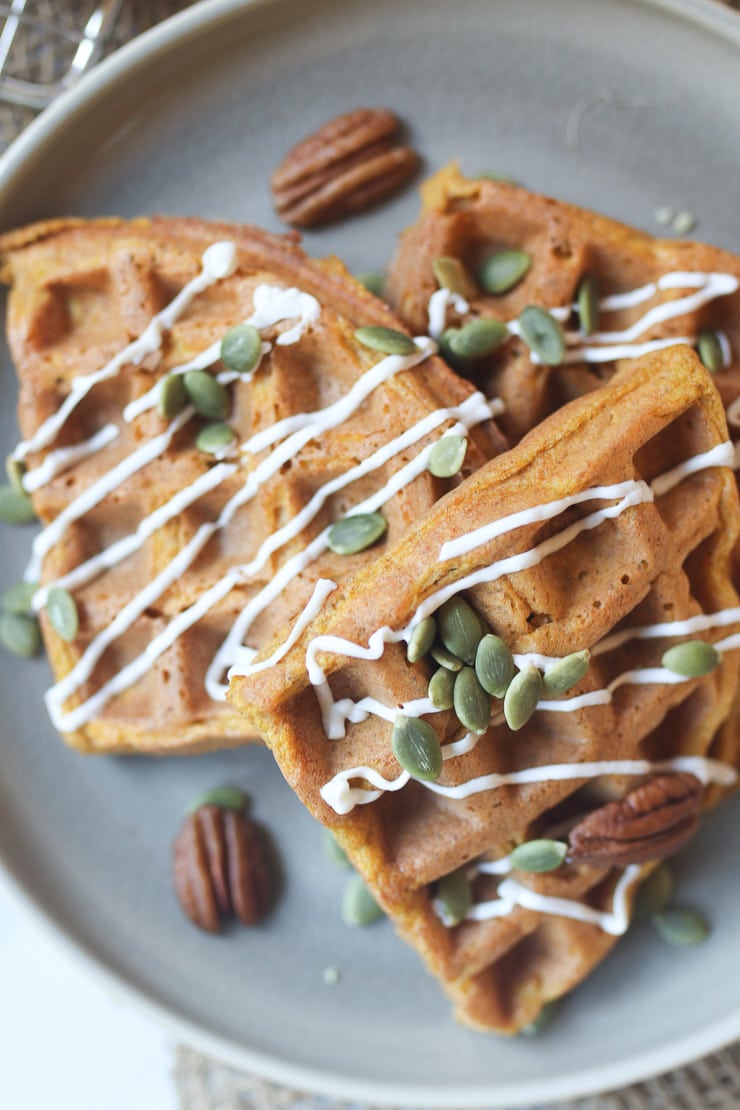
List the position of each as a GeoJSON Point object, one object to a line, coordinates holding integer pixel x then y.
{"type": "Point", "coordinates": [221, 867]}
{"type": "Point", "coordinates": [650, 822]}
{"type": "Point", "coordinates": [349, 164]}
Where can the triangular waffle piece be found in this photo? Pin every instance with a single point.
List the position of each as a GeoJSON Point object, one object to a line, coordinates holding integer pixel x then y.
{"type": "Point", "coordinates": [650, 291]}
{"type": "Point", "coordinates": [174, 556]}
{"type": "Point", "coordinates": [607, 528]}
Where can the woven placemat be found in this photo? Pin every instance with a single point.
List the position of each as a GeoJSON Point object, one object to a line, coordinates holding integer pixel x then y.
{"type": "Point", "coordinates": [203, 1083]}
{"type": "Point", "coordinates": [710, 1084]}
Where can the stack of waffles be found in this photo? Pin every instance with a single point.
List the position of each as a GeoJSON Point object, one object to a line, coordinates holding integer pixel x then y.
{"type": "Point", "coordinates": [586, 531]}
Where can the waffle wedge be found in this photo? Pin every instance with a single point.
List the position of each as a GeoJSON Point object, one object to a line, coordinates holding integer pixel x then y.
{"type": "Point", "coordinates": [174, 556]}
{"type": "Point", "coordinates": [649, 291]}
{"type": "Point", "coordinates": [606, 528]}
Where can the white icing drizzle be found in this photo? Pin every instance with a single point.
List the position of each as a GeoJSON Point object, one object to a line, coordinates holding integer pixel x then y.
{"type": "Point", "coordinates": [245, 655]}
{"type": "Point", "coordinates": [343, 798]}
{"type": "Point", "coordinates": [63, 458]}
{"type": "Point", "coordinates": [462, 545]}
{"type": "Point", "coordinates": [473, 410]}
{"type": "Point", "coordinates": [218, 262]}
{"type": "Point", "coordinates": [702, 622]}
{"type": "Point", "coordinates": [608, 346]}
{"type": "Point", "coordinates": [100, 489]}
{"type": "Point", "coordinates": [342, 409]}
{"type": "Point", "coordinates": [439, 303]}
{"type": "Point", "coordinates": [121, 549]}
{"type": "Point", "coordinates": [272, 305]}
{"type": "Point", "coordinates": [720, 455]}
{"type": "Point", "coordinates": [512, 893]}
{"type": "Point", "coordinates": [335, 714]}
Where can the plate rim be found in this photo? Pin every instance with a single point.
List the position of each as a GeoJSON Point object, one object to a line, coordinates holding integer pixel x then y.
{"type": "Point", "coordinates": [713, 16]}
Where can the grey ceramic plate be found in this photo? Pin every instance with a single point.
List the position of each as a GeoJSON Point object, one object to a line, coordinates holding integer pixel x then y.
{"type": "Point", "coordinates": [623, 106]}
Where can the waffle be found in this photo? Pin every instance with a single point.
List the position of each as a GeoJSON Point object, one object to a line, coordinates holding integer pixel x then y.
{"type": "Point", "coordinates": [661, 559]}
{"type": "Point", "coordinates": [160, 622]}
{"type": "Point", "coordinates": [470, 220]}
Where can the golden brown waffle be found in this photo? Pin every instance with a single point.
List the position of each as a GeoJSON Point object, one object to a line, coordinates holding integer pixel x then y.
{"type": "Point", "coordinates": [469, 220]}
{"type": "Point", "coordinates": [663, 559]}
{"type": "Point", "coordinates": [81, 293]}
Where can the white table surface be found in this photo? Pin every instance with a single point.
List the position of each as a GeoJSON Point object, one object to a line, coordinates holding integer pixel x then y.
{"type": "Point", "coordinates": [67, 1043]}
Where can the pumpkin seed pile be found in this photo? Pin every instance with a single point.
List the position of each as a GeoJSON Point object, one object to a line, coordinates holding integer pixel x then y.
{"type": "Point", "coordinates": [240, 352]}
{"type": "Point", "coordinates": [474, 667]}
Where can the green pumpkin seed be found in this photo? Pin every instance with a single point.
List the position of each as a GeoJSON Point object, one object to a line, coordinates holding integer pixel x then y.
{"type": "Point", "coordinates": [20, 634]}
{"type": "Point", "coordinates": [455, 893]}
{"type": "Point", "coordinates": [355, 533]}
{"type": "Point", "coordinates": [15, 507]}
{"type": "Point", "coordinates": [655, 893]}
{"type": "Point", "coordinates": [520, 701]}
{"type": "Point", "coordinates": [692, 659]}
{"type": "Point", "coordinates": [460, 629]}
{"type": "Point", "coordinates": [445, 658]}
{"type": "Point", "coordinates": [538, 856]}
{"type": "Point", "coordinates": [471, 702]}
{"type": "Point", "coordinates": [457, 362]}
{"type": "Point", "coordinates": [416, 746]}
{"type": "Point", "coordinates": [710, 350]}
{"type": "Point", "coordinates": [684, 222]}
{"type": "Point", "coordinates": [241, 348]}
{"type": "Point", "coordinates": [374, 283]}
{"type": "Point", "coordinates": [332, 850]}
{"type": "Point", "coordinates": [542, 334]}
{"type": "Point", "coordinates": [61, 609]}
{"type": "Point", "coordinates": [478, 338]}
{"type": "Point", "coordinates": [450, 273]}
{"type": "Point", "coordinates": [15, 469]}
{"type": "Point", "coordinates": [18, 598]}
{"type": "Point", "coordinates": [421, 640]}
{"type": "Point", "coordinates": [441, 687]}
{"type": "Point", "coordinates": [561, 676]}
{"type": "Point", "coordinates": [494, 665]}
{"type": "Point", "coordinates": [541, 1022]}
{"type": "Point", "coordinates": [172, 397]}
{"type": "Point", "coordinates": [387, 340]}
{"type": "Point", "coordinates": [503, 270]}
{"type": "Point", "coordinates": [447, 456]}
{"type": "Point", "coordinates": [208, 397]}
{"type": "Point", "coordinates": [358, 905]}
{"type": "Point", "coordinates": [215, 439]}
{"type": "Point", "coordinates": [225, 797]}
{"type": "Point", "coordinates": [681, 926]}
{"type": "Point", "coordinates": [587, 301]}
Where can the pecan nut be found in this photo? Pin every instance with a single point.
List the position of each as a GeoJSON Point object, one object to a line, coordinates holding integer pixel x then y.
{"type": "Point", "coordinates": [651, 822]}
{"type": "Point", "coordinates": [221, 867]}
{"type": "Point", "coordinates": [349, 164]}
